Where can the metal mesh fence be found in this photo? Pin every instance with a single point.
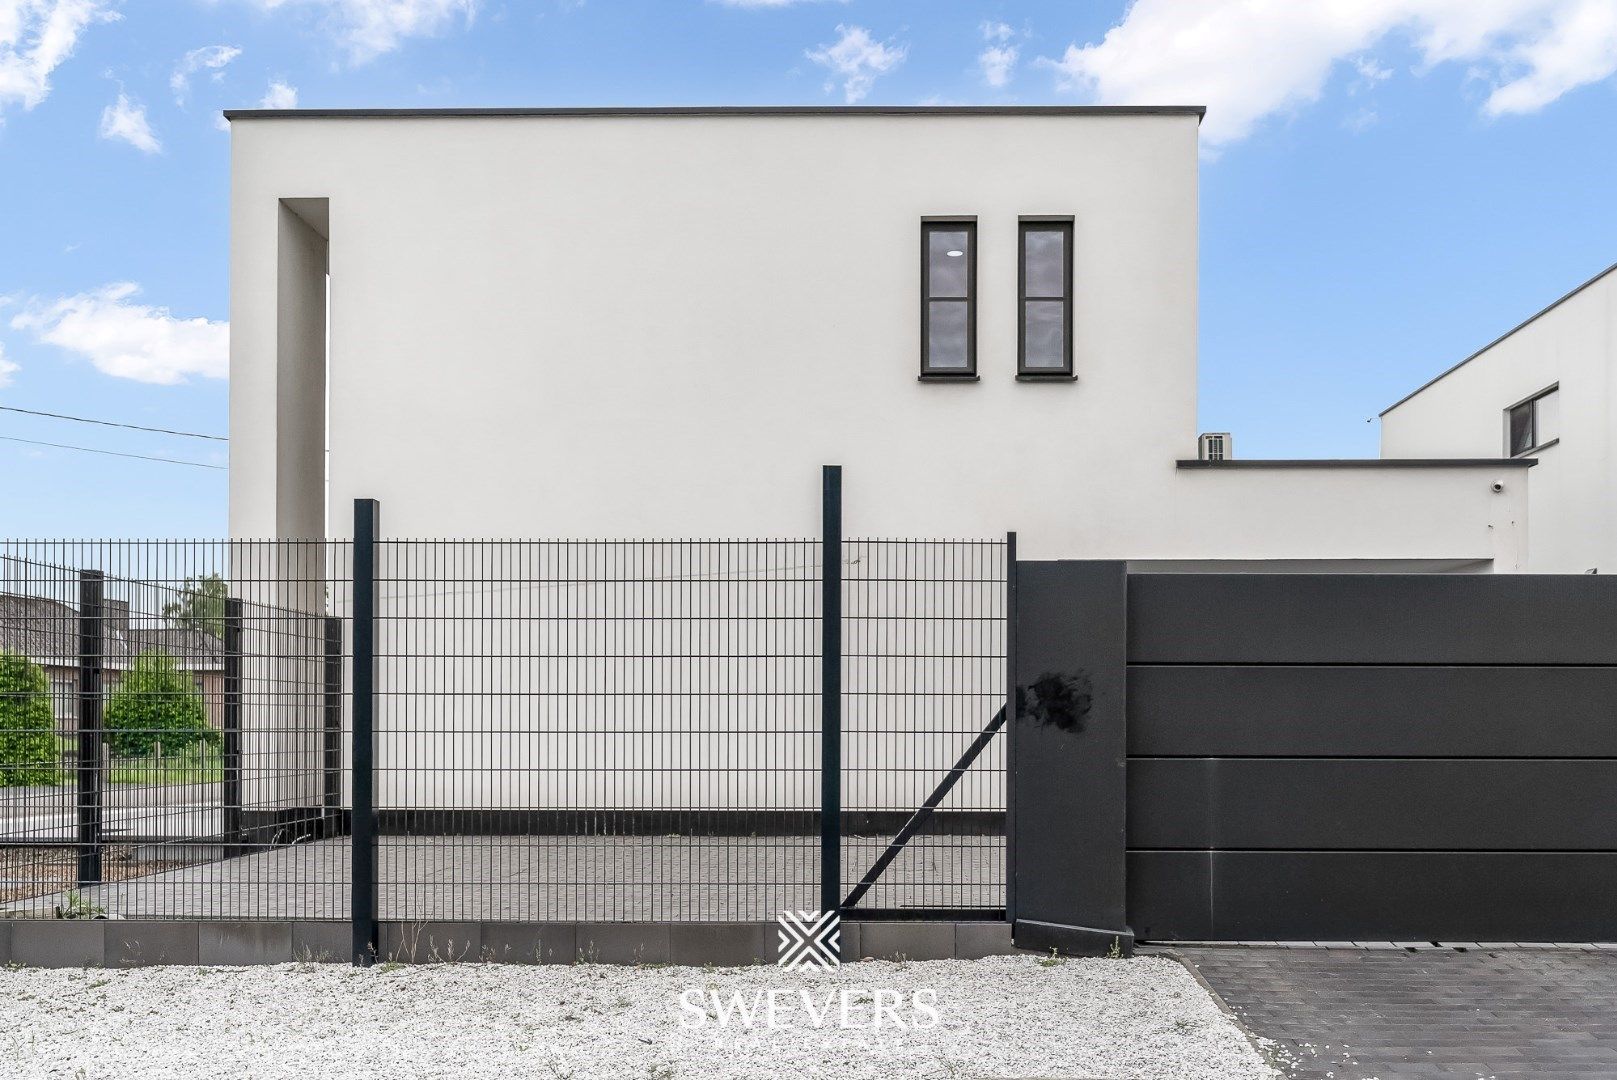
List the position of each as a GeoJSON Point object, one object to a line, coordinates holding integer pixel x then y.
{"type": "Point", "coordinates": [601, 731]}
{"type": "Point", "coordinates": [563, 730]}
{"type": "Point", "coordinates": [186, 751]}
{"type": "Point", "coordinates": [923, 758]}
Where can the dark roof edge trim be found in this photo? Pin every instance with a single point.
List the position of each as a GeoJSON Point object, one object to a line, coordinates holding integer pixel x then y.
{"type": "Point", "coordinates": [1359, 463]}
{"type": "Point", "coordinates": [1519, 326]}
{"type": "Point", "coordinates": [1197, 111]}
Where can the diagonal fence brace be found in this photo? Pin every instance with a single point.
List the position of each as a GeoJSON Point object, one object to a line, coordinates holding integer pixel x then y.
{"type": "Point", "coordinates": [924, 812]}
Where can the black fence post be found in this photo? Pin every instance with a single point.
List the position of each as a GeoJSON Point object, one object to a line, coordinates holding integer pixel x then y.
{"type": "Point", "coordinates": [91, 594]}
{"type": "Point", "coordinates": [331, 788]}
{"type": "Point", "coordinates": [1010, 728]}
{"type": "Point", "coordinates": [362, 836]}
{"type": "Point", "coordinates": [831, 690]}
{"type": "Point", "coordinates": [230, 793]}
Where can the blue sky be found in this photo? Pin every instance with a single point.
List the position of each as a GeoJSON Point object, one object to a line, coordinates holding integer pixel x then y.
{"type": "Point", "coordinates": [1386, 184]}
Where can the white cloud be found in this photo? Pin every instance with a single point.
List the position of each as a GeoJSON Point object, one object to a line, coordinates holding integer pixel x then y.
{"type": "Point", "coordinates": [858, 60]}
{"type": "Point", "coordinates": [1247, 60]}
{"type": "Point", "coordinates": [1576, 49]}
{"type": "Point", "coordinates": [35, 37]}
{"type": "Point", "coordinates": [7, 369]}
{"type": "Point", "coordinates": [1370, 71]}
{"type": "Point", "coordinates": [129, 339]}
{"type": "Point", "coordinates": [126, 120]}
{"type": "Point", "coordinates": [999, 56]}
{"type": "Point", "coordinates": [369, 28]}
{"type": "Point", "coordinates": [210, 57]}
{"type": "Point", "coordinates": [279, 96]}
{"type": "Point", "coordinates": [997, 63]}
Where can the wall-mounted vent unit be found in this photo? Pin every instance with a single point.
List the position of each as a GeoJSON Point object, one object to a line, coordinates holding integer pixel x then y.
{"type": "Point", "coordinates": [1215, 446]}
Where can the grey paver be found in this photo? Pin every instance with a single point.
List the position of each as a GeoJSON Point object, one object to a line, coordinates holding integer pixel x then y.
{"type": "Point", "coordinates": [137, 944]}
{"type": "Point", "coordinates": [235, 943]}
{"type": "Point", "coordinates": [530, 943]}
{"type": "Point", "coordinates": [430, 942]}
{"type": "Point", "coordinates": [907, 941]}
{"type": "Point", "coordinates": [322, 942]}
{"type": "Point", "coordinates": [851, 939]}
{"type": "Point", "coordinates": [973, 941]}
{"type": "Point", "coordinates": [623, 943]}
{"type": "Point", "coordinates": [59, 942]}
{"type": "Point", "coordinates": [555, 879]}
{"type": "Point", "coordinates": [724, 944]}
{"type": "Point", "coordinates": [1387, 1013]}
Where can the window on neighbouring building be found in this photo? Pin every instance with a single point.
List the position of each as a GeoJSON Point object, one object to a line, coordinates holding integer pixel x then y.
{"type": "Point", "coordinates": [949, 298]}
{"type": "Point", "coordinates": [1044, 338]}
{"type": "Point", "coordinates": [64, 695]}
{"type": "Point", "coordinates": [1533, 423]}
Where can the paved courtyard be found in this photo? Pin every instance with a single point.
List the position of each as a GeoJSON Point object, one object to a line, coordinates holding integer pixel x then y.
{"type": "Point", "coordinates": [556, 879]}
{"type": "Point", "coordinates": [46, 813]}
{"type": "Point", "coordinates": [1353, 1014]}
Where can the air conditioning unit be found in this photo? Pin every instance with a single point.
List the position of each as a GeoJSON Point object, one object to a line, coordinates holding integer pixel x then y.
{"type": "Point", "coordinates": [1215, 446]}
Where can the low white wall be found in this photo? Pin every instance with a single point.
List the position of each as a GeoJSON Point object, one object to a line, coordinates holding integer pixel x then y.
{"type": "Point", "coordinates": [1349, 512]}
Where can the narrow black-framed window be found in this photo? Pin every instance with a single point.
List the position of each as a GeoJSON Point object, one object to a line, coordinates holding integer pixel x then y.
{"type": "Point", "coordinates": [1534, 423]}
{"type": "Point", "coordinates": [1044, 298]}
{"type": "Point", "coordinates": [948, 298]}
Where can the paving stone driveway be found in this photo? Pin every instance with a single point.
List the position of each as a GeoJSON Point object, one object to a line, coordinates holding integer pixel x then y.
{"type": "Point", "coordinates": [1547, 1014]}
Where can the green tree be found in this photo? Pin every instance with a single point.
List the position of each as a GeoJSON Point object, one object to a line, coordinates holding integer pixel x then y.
{"type": "Point", "coordinates": [27, 724]}
{"type": "Point", "coordinates": [155, 702]}
{"type": "Point", "coordinates": [201, 605]}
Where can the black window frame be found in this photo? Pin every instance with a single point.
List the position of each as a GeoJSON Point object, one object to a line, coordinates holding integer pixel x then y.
{"type": "Point", "coordinates": [967, 225]}
{"type": "Point", "coordinates": [1530, 403]}
{"type": "Point", "coordinates": [1044, 223]}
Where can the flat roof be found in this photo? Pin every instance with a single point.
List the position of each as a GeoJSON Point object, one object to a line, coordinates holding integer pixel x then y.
{"type": "Point", "coordinates": [1519, 326]}
{"type": "Point", "coordinates": [726, 110]}
{"type": "Point", "coordinates": [1357, 463]}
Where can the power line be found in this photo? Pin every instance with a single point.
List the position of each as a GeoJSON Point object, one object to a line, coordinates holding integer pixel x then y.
{"type": "Point", "coordinates": [112, 453]}
{"type": "Point", "coordinates": [112, 423]}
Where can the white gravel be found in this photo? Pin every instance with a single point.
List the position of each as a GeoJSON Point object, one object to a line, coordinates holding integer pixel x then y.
{"type": "Point", "coordinates": [1001, 1017]}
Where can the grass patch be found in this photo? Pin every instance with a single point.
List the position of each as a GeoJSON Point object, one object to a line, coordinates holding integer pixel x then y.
{"type": "Point", "coordinates": [199, 764]}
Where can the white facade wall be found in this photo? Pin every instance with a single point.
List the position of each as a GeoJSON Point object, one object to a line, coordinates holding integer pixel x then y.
{"type": "Point", "coordinates": [653, 326]}
{"type": "Point", "coordinates": [1573, 493]}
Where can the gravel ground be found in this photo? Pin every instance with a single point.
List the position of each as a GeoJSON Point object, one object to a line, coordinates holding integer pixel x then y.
{"type": "Point", "coordinates": [1001, 1017]}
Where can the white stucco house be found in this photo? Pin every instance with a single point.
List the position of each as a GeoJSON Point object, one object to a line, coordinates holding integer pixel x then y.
{"type": "Point", "coordinates": [1546, 389]}
{"type": "Point", "coordinates": [661, 322]}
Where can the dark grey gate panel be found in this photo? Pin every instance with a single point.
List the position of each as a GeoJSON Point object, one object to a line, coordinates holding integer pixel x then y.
{"type": "Point", "coordinates": [1372, 896]}
{"type": "Point", "coordinates": [1413, 711]}
{"type": "Point", "coordinates": [1385, 757]}
{"type": "Point", "coordinates": [1442, 804]}
{"type": "Point", "coordinates": [1372, 619]}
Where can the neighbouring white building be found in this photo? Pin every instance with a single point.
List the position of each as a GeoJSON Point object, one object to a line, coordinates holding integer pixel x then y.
{"type": "Point", "coordinates": [1546, 390]}
{"type": "Point", "coordinates": [661, 322]}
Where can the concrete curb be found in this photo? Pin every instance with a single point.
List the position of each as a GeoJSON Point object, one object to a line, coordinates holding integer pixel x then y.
{"type": "Point", "coordinates": [143, 943]}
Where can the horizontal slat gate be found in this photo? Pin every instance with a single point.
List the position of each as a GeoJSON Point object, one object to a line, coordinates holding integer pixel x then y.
{"type": "Point", "coordinates": [1388, 757]}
